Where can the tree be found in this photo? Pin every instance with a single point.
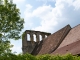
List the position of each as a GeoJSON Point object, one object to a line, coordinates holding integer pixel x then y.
{"type": "Point", "coordinates": [11, 23]}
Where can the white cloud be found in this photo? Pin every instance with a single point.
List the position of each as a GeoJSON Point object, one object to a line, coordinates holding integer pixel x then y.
{"type": "Point", "coordinates": [73, 3]}
{"type": "Point", "coordinates": [46, 0]}
{"type": "Point", "coordinates": [16, 49]}
{"type": "Point", "coordinates": [18, 1]}
{"type": "Point", "coordinates": [48, 16]}
{"type": "Point", "coordinates": [16, 46]}
{"type": "Point", "coordinates": [54, 16]}
{"type": "Point", "coordinates": [27, 12]}
{"type": "Point", "coordinates": [76, 4]}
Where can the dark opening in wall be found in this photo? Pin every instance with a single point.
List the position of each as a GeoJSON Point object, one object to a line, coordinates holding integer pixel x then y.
{"type": "Point", "coordinates": [28, 37]}
{"type": "Point", "coordinates": [40, 37]}
{"type": "Point", "coordinates": [34, 37]}
{"type": "Point", "coordinates": [45, 36]}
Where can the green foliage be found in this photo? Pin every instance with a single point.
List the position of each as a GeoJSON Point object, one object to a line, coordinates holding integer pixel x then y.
{"type": "Point", "coordinates": [4, 47]}
{"type": "Point", "coordinates": [68, 57]}
{"type": "Point", "coordinates": [29, 57]}
{"type": "Point", "coordinates": [57, 57]}
{"type": "Point", "coordinates": [23, 35]}
{"type": "Point", "coordinates": [43, 57]}
{"type": "Point", "coordinates": [10, 21]}
{"type": "Point", "coordinates": [10, 56]}
{"type": "Point", "coordinates": [11, 24]}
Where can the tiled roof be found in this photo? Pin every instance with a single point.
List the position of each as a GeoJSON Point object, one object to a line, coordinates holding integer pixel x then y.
{"type": "Point", "coordinates": [50, 43]}
{"type": "Point", "coordinates": [73, 48]}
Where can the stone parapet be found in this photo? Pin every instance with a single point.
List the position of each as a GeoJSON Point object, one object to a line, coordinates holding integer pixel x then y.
{"type": "Point", "coordinates": [29, 45]}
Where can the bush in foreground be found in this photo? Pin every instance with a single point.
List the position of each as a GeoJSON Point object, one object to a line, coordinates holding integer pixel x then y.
{"type": "Point", "coordinates": [38, 57]}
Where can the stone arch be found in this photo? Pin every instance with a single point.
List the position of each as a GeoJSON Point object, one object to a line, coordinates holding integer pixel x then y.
{"type": "Point", "coordinates": [28, 37]}
{"type": "Point", "coordinates": [46, 36]}
{"type": "Point", "coordinates": [40, 37]}
{"type": "Point", "coordinates": [34, 37]}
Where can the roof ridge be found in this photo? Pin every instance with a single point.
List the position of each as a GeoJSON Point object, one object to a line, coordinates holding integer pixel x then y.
{"type": "Point", "coordinates": [76, 26]}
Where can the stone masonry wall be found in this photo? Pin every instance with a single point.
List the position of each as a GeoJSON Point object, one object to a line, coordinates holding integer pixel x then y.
{"type": "Point", "coordinates": [29, 45]}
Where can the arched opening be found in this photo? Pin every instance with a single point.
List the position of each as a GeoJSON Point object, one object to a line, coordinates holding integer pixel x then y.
{"type": "Point", "coordinates": [40, 37]}
{"type": "Point", "coordinates": [34, 37]}
{"type": "Point", "coordinates": [45, 36]}
{"type": "Point", "coordinates": [28, 37]}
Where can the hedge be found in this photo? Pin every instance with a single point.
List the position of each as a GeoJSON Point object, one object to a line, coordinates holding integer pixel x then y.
{"type": "Point", "coordinates": [38, 57]}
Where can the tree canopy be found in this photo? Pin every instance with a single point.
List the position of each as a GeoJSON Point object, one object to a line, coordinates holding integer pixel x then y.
{"type": "Point", "coordinates": [11, 23]}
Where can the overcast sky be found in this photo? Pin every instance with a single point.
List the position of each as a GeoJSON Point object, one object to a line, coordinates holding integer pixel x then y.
{"type": "Point", "coordinates": [47, 16]}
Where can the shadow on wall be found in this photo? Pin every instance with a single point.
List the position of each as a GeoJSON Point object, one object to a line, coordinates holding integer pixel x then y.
{"type": "Point", "coordinates": [37, 48]}
{"type": "Point", "coordinates": [31, 42]}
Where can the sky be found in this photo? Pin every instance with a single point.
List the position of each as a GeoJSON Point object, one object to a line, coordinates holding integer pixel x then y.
{"type": "Point", "coordinates": [47, 16]}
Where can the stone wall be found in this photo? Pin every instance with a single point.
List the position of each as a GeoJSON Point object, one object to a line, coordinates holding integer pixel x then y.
{"type": "Point", "coordinates": [29, 45]}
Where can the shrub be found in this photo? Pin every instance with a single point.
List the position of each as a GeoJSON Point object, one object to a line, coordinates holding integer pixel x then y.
{"type": "Point", "coordinates": [10, 56]}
